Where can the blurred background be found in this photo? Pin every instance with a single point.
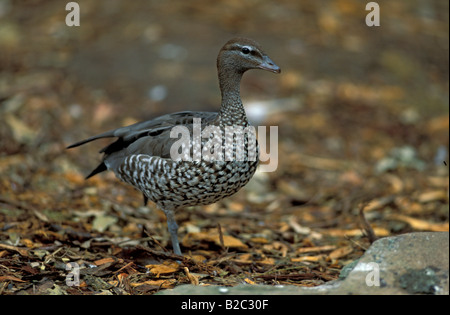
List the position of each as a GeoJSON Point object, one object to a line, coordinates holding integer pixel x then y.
{"type": "Point", "coordinates": [362, 112]}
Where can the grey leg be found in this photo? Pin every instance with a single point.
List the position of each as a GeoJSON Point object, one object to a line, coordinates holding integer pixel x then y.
{"type": "Point", "coordinates": [173, 230]}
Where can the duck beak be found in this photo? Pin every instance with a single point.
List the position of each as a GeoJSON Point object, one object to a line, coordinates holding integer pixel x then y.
{"type": "Point", "coordinates": [269, 65]}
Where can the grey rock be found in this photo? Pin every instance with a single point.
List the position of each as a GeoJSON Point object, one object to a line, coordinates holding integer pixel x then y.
{"type": "Point", "coordinates": [407, 264]}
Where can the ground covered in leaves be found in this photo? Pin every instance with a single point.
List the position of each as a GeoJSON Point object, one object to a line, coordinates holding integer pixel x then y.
{"type": "Point", "coordinates": [362, 118]}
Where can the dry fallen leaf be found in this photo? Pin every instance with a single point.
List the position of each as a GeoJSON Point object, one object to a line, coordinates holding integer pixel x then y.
{"type": "Point", "coordinates": [379, 231]}
{"type": "Point", "coordinates": [316, 249]}
{"type": "Point", "coordinates": [198, 258]}
{"type": "Point", "coordinates": [104, 261]}
{"type": "Point", "coordinates": [421, 225]}
{"type": "Point", "coordinates": [259, 240]}
{"type": "Point", "coordinates": [163, 283]}
{"type": "Point", "coordinates": [166, 268]}
{"type": "Point", "coordinates": [308, 258]}
{"type": "Point", "coordinates": [340, 252]}
{"type": "Point", "coordinates": [434, 195]}
{"type": "Point", "coordinates": [248, 258]}
{"type": "Point", "coordinates": [103, 221]}
{"type": "Point", "coordinates": [21, 132]}
{"type": "Point", "coordinates": [21, 251]}
{"type": "Point", "coordinates": [192, 278]}
{"type": "Point", "coordinates": [247, 280]}
{"type": "Point", "coordinates": [228, 241]}
{"type": "Point", "coordinates": [378, 203]}
{"type": "Point", "coordinates": [10, 278]}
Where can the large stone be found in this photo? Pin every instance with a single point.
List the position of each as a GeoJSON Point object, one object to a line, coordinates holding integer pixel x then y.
{"type": "Point", "coordinates": [406, 264]}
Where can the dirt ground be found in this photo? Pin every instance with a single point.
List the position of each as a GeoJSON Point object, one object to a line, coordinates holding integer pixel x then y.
{"type": "Point", "coordinates": [363, 130]}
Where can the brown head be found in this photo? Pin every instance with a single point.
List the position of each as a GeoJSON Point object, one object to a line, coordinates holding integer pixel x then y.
{"type": "Point", "coordinates": [242, 54]}
{"type": "Point", "coordinates": [237, 56]}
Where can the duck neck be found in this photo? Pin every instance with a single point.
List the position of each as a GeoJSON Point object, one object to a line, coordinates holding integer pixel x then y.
{"type": "Point", "coordinates": [232, 112]}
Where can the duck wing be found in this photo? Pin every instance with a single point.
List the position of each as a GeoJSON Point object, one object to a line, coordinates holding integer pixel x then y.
{"type": "Point", "coordinates": [151, 137]}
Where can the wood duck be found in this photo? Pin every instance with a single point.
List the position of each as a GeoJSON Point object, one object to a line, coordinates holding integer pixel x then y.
{"type": "Point", "coordinates": [141, 156]}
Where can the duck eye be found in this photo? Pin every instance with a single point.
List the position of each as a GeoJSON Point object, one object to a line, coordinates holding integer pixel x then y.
{"type": "Point", "coordinates": [245, 50]}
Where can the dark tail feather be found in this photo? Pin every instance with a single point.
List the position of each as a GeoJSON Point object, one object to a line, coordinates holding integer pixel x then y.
{"type": "Point", "coordinates": [107, 134]}
{"type": "Point", "coordinates": [102, 167]}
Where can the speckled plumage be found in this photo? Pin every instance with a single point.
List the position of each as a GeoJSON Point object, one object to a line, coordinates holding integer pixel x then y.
{"type": "Point", "coordinates": [141, 154]}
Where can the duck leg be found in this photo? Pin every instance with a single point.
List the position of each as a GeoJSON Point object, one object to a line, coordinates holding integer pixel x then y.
{"type": "Point", "coordinates": [173, 230]}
